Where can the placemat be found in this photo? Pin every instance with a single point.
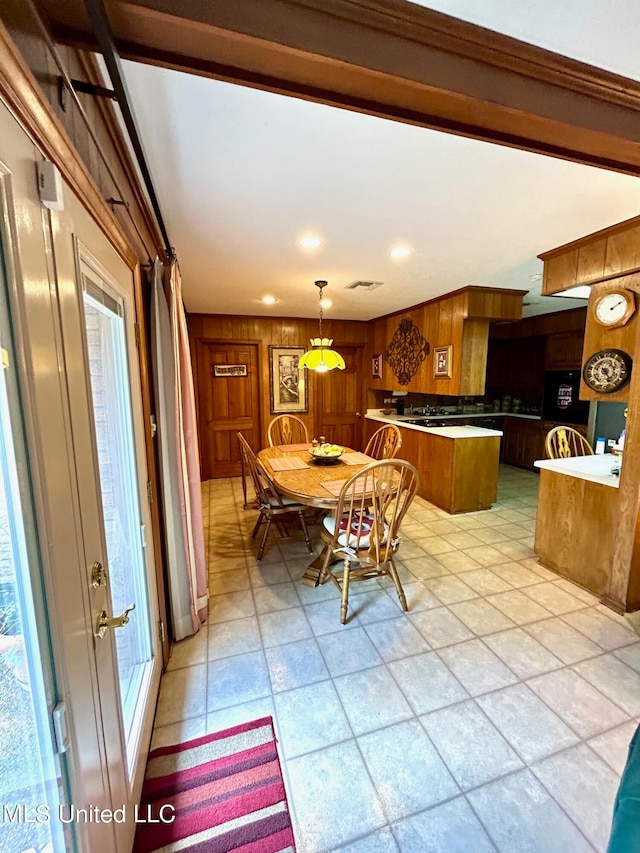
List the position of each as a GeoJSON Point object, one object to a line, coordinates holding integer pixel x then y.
{"type": "Point", "coordinates": [293, 448]}
{"type": "Point", "coordinates": [356, 458]}
{"type": "Point", "coordinates": [357, 488]}
{"type": "Point", "coordinates": [290, 463]}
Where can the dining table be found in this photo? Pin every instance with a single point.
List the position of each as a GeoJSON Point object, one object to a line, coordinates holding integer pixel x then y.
{"type": "Point", "coordinates": [298, 476]}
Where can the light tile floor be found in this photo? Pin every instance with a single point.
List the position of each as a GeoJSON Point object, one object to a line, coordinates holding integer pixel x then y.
{"type": "Point", "coordinates": [495, 715]}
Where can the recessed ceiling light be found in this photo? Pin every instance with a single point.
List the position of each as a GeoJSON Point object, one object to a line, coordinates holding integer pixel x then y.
{"type": "Point", "coordinates": [310, 242]}
{"type": "Point", "coordinates": [400, 252]}
{"type": "Point", "coordinates": [326, 303]}
{"type": "Point", "coordinates": [269, 300]}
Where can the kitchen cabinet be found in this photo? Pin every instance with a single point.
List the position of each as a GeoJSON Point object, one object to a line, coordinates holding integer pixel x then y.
{"type": "Point", "coordinates": [523, 442]}
{"type": "Point", "coordinates": [458, 467]}
{"type": "Point", "coordinates": [613, 251]}
{"type": "Point", "coordinates": [564, 351]}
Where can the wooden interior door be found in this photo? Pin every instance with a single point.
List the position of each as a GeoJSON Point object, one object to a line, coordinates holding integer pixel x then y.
{"type": "Point", "coordinates": [339, 395]}
{"type": "Point", "coordinates": [228, 404]}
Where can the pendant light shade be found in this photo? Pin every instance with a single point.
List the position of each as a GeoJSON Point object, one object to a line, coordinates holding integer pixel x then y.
{"type": "Point", "coordinates": [321, 357]}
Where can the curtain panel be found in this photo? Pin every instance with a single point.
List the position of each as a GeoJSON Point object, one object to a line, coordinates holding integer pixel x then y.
{"type": "Point", "coordinates": [178, 454]}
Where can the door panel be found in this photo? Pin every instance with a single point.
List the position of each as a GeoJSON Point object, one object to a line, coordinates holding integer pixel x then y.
{"type": "Point", "coordinates": [228, 405]}
{"type": "Point", "coordinates": [339, 400]}
{"type": "Point", "coordinates": [124, 529]}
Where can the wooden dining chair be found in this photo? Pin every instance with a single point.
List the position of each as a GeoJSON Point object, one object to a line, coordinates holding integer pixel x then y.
{"type": "Point", "coordinates": [287, 429]}
{"type": "Point", "coordinates": [384, 443]}
{"type": "Point", "coordinates": [364, 533]}
{"type": "Point", "coordinates": [271, 504]}
{"type": "Point", "coordinates": [563, 441]}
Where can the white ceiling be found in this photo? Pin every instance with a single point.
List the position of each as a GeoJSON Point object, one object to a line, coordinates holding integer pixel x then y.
{"type": "Point", "coordinates": [242, 174]}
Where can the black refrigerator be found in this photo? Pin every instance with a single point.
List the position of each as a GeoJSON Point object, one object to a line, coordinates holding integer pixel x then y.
{"type": "Point", "coordinates": [560, 402]}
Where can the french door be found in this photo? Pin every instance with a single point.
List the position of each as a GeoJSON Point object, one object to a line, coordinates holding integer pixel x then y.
{"type": "Point", "coordinates": [78, 676]}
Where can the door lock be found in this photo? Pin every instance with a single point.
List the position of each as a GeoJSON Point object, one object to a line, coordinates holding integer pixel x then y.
{"type": "Point", "coordinates": [105, 621]}
{"type": "Point", "coordinates": [98, 575]}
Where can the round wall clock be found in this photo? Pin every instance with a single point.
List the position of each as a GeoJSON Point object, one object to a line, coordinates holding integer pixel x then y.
{"type": "Point", "coordinates": [607, 371]}
{"type": "Point", "coordinates": [614, 308]}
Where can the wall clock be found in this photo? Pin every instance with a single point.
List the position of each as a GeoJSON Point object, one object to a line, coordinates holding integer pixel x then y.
{"type": "Point", "coordinates": [614, 308]}
{"type": "Point", "coordinates": [607, 371]}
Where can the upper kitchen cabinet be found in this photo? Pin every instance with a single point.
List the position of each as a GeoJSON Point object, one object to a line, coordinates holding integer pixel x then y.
{"type": "Point", "coordinates": [612, 252]}
{"type": "Point", "coordinates": [564, 350]}
{"type": "Point", "coordinates": [440, 346]}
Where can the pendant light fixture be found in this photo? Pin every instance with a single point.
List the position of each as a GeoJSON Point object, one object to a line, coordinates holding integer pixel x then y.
{"type": "Point", "coordinates": [321, 357]}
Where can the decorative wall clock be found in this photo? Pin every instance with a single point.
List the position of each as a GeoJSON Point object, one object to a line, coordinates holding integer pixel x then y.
{"type": "Point", "coordinates": [407, 350]}
{"type": "Point", "coordinates": [607, 370]}
{"type": "Point", "coordinates": [614, 308]}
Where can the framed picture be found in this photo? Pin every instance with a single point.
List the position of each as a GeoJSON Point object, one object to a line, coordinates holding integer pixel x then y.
{"type": "Point", "coordinates": [442, 362]}
{"type": "Point", "coordinates": [230, 370]}
{"type": "Point", "coordinates": [288, 389]}
{"type": "Point", "coordinates": [376, 366]}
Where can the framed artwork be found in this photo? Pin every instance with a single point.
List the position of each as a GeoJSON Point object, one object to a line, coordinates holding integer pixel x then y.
{"type": "Point", "coordinates": [376, 366]}
{"type": "Point", "coordinates": [442, 362]}
{"type": "Point", "coordinates": [230, 370]}
{"type": "Point", "coordinates": [288, 389]}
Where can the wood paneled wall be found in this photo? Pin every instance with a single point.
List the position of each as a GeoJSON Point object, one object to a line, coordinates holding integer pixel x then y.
{"type": "Point", "coordinates": [278, 331]}
{"type": "Point", "coordinates": [81, 65]}
{"type": "Point", "coordinates": [460, 319]}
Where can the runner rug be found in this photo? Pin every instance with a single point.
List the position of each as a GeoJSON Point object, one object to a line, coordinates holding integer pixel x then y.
{"type": "Point", "coordinates": [218, 793]}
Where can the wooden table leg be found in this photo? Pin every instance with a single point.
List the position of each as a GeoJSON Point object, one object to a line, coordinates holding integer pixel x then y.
{"type": "Point", "coordinates": [311, 577]}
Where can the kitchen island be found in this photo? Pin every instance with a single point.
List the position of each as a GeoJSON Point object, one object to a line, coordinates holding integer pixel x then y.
{"type": "Point", "coordinates": [458, 465]}
{"type": "Point", "coordinates": [576, 521]}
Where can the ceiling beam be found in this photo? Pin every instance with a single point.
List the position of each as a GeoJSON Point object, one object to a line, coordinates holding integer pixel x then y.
{"type": "Point", "coordinates": [388, 58]}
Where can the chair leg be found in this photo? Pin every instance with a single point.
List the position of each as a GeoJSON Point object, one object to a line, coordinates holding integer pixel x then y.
{"type": "Point", "coordinates": [257, 526]}
{"type": "Point", "coordinates": [345, 593]}
{"type": "Point", "coordinates": [264, 539]}
{"type": "Point", "coordinates": [303, 524]}
{"type": "Point", "coordinates": [396, 579]}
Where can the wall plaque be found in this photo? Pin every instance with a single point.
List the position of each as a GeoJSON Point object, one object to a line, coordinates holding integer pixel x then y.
{"type": "Point", "coordinates": [407, 350]}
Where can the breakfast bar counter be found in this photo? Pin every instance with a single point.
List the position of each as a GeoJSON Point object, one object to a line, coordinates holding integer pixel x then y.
{"type": "Point", "coordinates": [577, 515]}
{"type": "Point", "coordinates": [458, 465]}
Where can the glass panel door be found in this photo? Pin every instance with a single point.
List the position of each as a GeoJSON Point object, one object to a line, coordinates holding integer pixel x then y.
{"type": "Point", "coordinates": [125, 534]}
{"type": "Point", "coordinates": [31, 779]}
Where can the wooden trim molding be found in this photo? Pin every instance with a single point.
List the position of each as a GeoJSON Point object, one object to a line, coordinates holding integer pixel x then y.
{"type": "Point", "coordinates": [22, 94]}
{"type": "Point", "coordinates": [388, 58]}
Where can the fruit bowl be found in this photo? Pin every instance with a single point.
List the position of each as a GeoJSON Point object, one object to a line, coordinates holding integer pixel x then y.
{"type": "Point", "coordinates": [326, 454]}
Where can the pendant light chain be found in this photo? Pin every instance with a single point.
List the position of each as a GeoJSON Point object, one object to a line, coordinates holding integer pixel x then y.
{"type": "Point", "coordinates": [321, 288]}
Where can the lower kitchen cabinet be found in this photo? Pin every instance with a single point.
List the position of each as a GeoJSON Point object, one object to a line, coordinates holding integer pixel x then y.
{"type": "Point", "coordinates": [523, 442]}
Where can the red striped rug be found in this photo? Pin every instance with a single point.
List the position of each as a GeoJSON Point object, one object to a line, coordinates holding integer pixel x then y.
{"type": "Point", "coordinates": [224, 792]}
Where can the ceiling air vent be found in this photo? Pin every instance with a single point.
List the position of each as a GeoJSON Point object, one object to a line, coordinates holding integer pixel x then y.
{"type": "Point", "coordinates": [366, 285]}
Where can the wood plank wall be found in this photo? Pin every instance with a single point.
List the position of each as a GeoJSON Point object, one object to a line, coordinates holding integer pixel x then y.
{"type": "Point", "coordinates": [277, 331]}
{"type": "Point", "coordinates": [460, 319]}
{"type": "Point", "coordinates": [82, 66]}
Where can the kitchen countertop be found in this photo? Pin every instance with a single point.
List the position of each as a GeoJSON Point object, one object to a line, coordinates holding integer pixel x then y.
{"type": "Point", "coordinates": [596, 469]}
{"type": "Point", "coordinates": [376, 414]}
{"type": "Point", "coordinates": [445, 432]}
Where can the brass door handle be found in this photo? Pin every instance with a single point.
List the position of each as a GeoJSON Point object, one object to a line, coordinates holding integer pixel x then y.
{"type": "Point", "coordinates": [105, 621]}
